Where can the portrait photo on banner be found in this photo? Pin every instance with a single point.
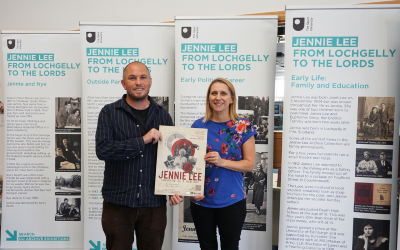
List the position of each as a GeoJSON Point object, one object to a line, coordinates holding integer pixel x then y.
{"type": "Point", "coordinates": [68, 153]}
{"type": "Point", "coordinates": [256, 110]}
{"type": "Point", "coordinates": [371, 234]}
{"type": "Point", "coordinates": [373, 163]}
{"type": "Point", "coordinates": [375, 120]}
{"type": "Point", "coordinates": [68, 114]}
{"type": "Point", "coordinates": [68, 209]}
{"type": "Point", "coordinates": [255, 185]}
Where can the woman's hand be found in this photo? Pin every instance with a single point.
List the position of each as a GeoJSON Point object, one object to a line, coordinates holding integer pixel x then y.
{"type": "Point", "coordinates": [197, 198]}
{"type": "Point", "coordinates": [214, 158]}
{"type": "Point", "coordinates": [175, 199]}
{"type": "Point", "coordinates": [365, 238]}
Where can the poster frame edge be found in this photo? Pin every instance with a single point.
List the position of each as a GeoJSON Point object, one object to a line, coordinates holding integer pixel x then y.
{"type": "Point", "coordinates": [35, 32]}
{"type": "Point", "coordinates": [81, 23]}
{"type": "Point", "coordinates": [226, 17]}
{"type": "Point", "coordinates": [321, 7]}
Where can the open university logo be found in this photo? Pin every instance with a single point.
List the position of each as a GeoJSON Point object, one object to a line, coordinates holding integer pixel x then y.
{"type": "Point", "coordinates": [186, 32]}
{"type": "Point", "coordinates": [90, 37]}
{"type": "Point", "coordinates": [11, 43]}
{"type": "Point", "coordinates": [298, 23]}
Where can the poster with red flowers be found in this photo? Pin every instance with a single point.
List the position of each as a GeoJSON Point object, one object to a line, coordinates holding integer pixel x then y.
{"type": "Point", "coordinates": [180, 161]}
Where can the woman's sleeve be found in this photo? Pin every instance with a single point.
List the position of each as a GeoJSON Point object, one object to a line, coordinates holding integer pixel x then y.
{"type": "Point", "coordinates": [196, 124]}
{"type": "Point", "coordinates": [249, 131]}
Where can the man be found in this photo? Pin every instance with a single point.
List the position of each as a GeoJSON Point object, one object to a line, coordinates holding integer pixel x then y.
{"type": "Point", "coordinates": [63, 114]}
{"type": "Point", "coordinates": [384, 120]}
{"type": "Point", "coordinates": [257, 115]}
{"type": "Point", "coordinates": [126, 139]}
{"type": "Point", "coordinates": [64, 207]}
{"type": "Point", "coordinates": [384, 166]}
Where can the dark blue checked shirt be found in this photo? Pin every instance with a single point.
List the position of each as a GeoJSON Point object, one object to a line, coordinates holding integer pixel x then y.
{"type": "Point", "coordinates": [130, 169]}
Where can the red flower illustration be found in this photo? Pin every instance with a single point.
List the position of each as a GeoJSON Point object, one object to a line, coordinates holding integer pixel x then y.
{"type": "Point", "coordinates": [242, 126]}
{"type": "Point", "coordinates": [188, 167]}
{"type": "Point", "coordinates": [216, 140]}
{"type": "Point", "coordinates": [223, 148]}
{"type": "Point", "coordinates": [211, 192]}
{"type": "Point", "coordinates": [231, 124]}
{"type": "Point", "coordinates": [233, 195]}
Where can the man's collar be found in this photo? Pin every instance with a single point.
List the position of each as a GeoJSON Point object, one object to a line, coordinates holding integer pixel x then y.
{"type": "Point", "coordinates": [125, 105]}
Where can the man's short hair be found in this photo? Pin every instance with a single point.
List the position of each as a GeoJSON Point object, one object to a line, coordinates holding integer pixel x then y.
{"type": "Point", "coordinates": [123, 73]}
{"type": "Point", "coordinates": [383, 153]}
{"type": "Point", "coordinates": [66, 199]}
{"type": "Point", "coordinates": [67, 103]}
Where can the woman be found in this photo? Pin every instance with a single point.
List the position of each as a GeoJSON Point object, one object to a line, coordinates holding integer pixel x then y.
{"type": "Point", "coordinates": [367, 165]}
{"type": "Point", "coordinates": [74, 120]}
{"type": "Point", "coordinates": [371, 128]}
{"type": "Point", "coordinates": [230, 152]}
{"type": "Point", "coordinates": [368, 240]}
{"type": "Point", "coordinates": [260, 181]}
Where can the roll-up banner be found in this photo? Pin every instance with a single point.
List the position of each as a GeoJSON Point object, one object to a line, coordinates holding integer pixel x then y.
{"type": "Point", "coordinates": [340, 144]}
{"type": "Point", "coordinates": [242, 50]}
{"type": "Point", "coordinates": [42, 166]}
{"type": "Point", "coordinates": [106, 49]}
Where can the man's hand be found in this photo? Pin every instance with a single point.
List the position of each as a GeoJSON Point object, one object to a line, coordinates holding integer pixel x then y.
{"type": "Point", "coordinates": [175, 199]}
{"type": "Point", "coordinates": [152, 136]}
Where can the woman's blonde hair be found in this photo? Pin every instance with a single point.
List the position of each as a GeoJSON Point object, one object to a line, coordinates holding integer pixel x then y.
{"type": "Point", "coordinates": [232, 107]}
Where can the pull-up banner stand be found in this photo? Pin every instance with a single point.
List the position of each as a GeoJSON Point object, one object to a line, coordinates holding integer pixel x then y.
{"type": "Point", "coordinates": [242, 50]}
{"type": "Point", "coordinates": [106, 49]}
{"type": "Point", "coordinates": [340, 144]}
{"type": "Point", "coordinates": [42, 198]}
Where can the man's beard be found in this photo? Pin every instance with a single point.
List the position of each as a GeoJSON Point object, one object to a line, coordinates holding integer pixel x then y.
{"type": "Point", "coordinates": [137, 99]}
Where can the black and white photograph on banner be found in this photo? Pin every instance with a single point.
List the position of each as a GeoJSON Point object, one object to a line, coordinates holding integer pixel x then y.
{"type": "Point", "coordinates": [375, 121]}
{"type": "Point", "coordinates": [1, 114]}
{"type": "Point", "coordinates": [68, 184]}
{"type": "Point", "coordinates": [262, 130]}
{"type": "Point", "coordinates": [371, 234]}
{"type": "Point", "coordinates": [187, 231]}
{"type": "Point", "coordinates": [187, 215]}
{"type": "Point", "coordinates": [68, 114]}
{"type": "Point", "coordinates": [68, 209]}
{"type": "Point", "coordinates": [373, 163]}
{"type": "Point", "coordinates": [256, 110]}
{"type": "Point", "coordinates": [68, 153]}
{"type": "Point", "coordinates": [163, 101]}
{"type": "Point", "coordinates": [372, 198]}
{"type": "Point", "coordinates": [255, 185]}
